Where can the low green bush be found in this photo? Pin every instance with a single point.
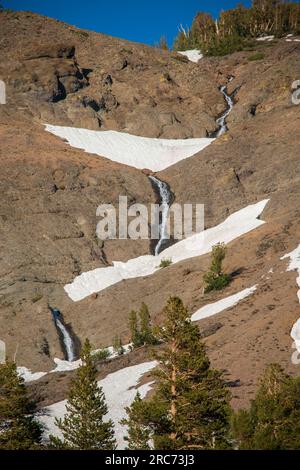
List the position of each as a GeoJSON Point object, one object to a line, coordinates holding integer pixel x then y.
{"type": "Point", "coordinates": [216, 283]}
{"type": "Point", "coordinates": [257, 56]}
{"type": "Point", "coordinates": [165, 263]}
{"type": "Point", "coordinates": [101, 355]}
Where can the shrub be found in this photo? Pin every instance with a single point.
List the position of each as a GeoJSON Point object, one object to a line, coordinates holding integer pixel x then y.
{"type": "Point", "coordinates": [80, 33]}
{"type": "Point", "coordinates": [118, 346]}
{"type": "Point", "coordinates": [101, 355]}
{"type": "Point", "coordinates": [215, 279]}
{"type": "Point", "coordinates": [180, 58]}
{"type": "Point", "coordinates": [140, 327]}
{"type": "Point", "coordinates": [225, 46]}
{"type": "Point", "coordinates": [257, 56]}
{"type": "Point", "coordinates": [38, 296]}
{"type": "Point", "coordinates": [165, 263]}
{"type": "Point", "coordinates": [216, 283]}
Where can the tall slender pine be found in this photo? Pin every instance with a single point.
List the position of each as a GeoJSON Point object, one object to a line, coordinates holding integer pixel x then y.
{"type": "Point", "coordinates": [190, 407]}
{"type": "Point", "coordinates": [83, 427]}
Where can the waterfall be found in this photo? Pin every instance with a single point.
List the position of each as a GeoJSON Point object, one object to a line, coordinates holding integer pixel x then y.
{"type": "Point", "coordinates": [222, 120]}
{"type": "Point", "coordinates": [163, 189]}
{"type": "Point", "coordinates": [66, 337]}
{"type": "Point", "coordinates": [165, 202]}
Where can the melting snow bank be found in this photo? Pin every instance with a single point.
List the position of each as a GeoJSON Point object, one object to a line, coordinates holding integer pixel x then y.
{"type": "Point", "coordinates": [139, 152]}
{"type": "Point", "coordinates": [265, 38]}
{"type": "Point", "coordinates": [223, 304]}
{"type": "Point", "coordinates": [67, 366]}
{"type": "Point", "coordinates": [194, 55]}
{"type": "Point", "coordinates": [234, 226]}
{"type": "Point", "coordinates": [119, 388]}
{"type": "Point", "coordinates": [29, 376]}
{"type": "Point", "coordinates": [295, 266]}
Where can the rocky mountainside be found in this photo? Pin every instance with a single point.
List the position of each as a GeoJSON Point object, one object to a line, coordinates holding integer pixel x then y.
{"type": "Point", "coordinates": [60, 75]}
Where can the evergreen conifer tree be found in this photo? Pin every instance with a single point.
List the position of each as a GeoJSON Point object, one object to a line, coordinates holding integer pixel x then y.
{"type": "Point", "coordinates": [83, 427]}
{"type": "Point", "coordinates": [118, 346]}
{"type": "Point", "coordinates": [19, 429]}
{"type": "Point", "coordinates": [146, 333]}
{"type": "Point", "coordinates": [216, 279]}
{"type": "Point", "coordinates": [138, 434]}
{"type": "Point", "coordinates": [134, 329]}
{"type": "Point", "coordinates": [273, 419]}
{"type": "Point", "coordinates": [190, 407]}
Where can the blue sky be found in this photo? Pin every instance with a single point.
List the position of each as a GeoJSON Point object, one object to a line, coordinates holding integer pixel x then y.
{"type": "Point", "coordinates": [137, 20]}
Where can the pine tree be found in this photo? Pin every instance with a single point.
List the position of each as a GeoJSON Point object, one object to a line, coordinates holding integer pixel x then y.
{"type": "Point", "coordinates": [83, 427]}
{"type": "Point", "coordinates": [181, 43]}
{"type": "Point", "coordinates": [235, 29]}
{"type": "Point", "coordinates": [273, 419]}
{"type": "Point", "coordinates": [19, 429]}
{"type": "Point", "coordinates": [163, 44]}
{"type": "Point", "coordinates": [190, 407]}
{"type": "Point", "coordinates": [138, 435]}
{"type": "Point", "coordinates": [118, 346]}
{"type": "Point", "coordinates": [216, 279]}
{"type": "Point", "coordinates": [134, 329]}
{"type": "Point", "coordinates": [146, 333]}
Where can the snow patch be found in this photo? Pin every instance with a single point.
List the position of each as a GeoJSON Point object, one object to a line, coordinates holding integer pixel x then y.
{"type": "Point", "coordinates": [119, 388]}
{"type": "Point", "coordinates": [29, 376]}
{"type": "Point", "coordinates": [66, 366]}
{"type": "Point", "coordinates": [294, 265]}
{"type": "Point", "coordinates": [194, 55]}
{"type": "Point", "coordinates": [223, 304]}
{"type": "Point", "coordinates": [265, 38]}
{"type": "Point", "coordinates": [139, 152]}
{"type": "Point", "coordinates": [291, 38]}
{"type": "Point", "coordinates": [234, 226]}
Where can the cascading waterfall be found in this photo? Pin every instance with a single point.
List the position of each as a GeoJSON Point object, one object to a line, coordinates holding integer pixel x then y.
{"type": "Point", "coordinates": [221, 121]}
{"type": "Point", "coordinates": [164, 190]}
{"type": "Point", "coordinates": [166, 200]}
{"type": "Point", "coordinates": [66, 337]}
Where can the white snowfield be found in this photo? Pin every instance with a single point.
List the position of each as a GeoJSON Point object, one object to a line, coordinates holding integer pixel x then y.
{"type": "Point", "coordinates": [265, 38]}
{"type": "Point", "coordinates": [234, 226]}
{"type": "Point", "coordinates": [295, 266]}
{"type": "Point", "coordinates": [119, 388]}
{"type": "Point", "coordinates": [291, 38]}
{"type": "Point", "coordinates": [194, 55]}
{"type": "Point", "coordinates": [29, 376]}
{"type": "Point", "coordinates": [135, 151]}
{"type": "Point", "coordinates": [66, 366]}
{"type": "Point", "coordinates": [223, 304]}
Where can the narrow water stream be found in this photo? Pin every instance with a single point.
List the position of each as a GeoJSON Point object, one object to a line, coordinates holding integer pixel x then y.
{"type": "Point", "coordinates": [68, 344]}
{"type": "Point", "coordinates": [221, 121]}
{"type": "Point", "coordinates": [162, 188]}
{"type": "Point", "coordinates": [166, 198]}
